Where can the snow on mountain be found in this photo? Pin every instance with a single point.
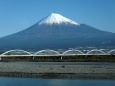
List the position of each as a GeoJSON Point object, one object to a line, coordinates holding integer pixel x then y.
{"type": "Point", "coordinates": [57, 32]}
{"type": "Point", "coordinates": [57, 19]}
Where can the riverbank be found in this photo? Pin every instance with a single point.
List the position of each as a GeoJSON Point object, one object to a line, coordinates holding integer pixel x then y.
{"type": "Point", "coordinates": [58, 71]}
{"type": "Point", "coordinates": [74, 58]}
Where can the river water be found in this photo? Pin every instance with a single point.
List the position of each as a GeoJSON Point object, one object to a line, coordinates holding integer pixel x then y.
{"type": "Point", "coordinates": [6, 81]}
{"type": "Point", "coordinates": [14, 81]}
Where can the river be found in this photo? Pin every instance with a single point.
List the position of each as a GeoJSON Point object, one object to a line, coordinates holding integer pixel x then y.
{"type": "Point", "coordinates": [9, 81]}
{"type": "Point", "coordinates": [15, 81]}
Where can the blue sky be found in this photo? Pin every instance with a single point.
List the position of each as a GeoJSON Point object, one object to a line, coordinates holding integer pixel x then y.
{"type": "Point", "coordinates": [17, 15]}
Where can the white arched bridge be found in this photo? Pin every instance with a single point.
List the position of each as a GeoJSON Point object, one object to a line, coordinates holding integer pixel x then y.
{"type": "Point", "coordinates": [49, 52]}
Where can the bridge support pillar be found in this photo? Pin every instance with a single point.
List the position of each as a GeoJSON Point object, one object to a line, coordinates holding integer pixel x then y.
{"type": "Point", "coordinates": [61, 57]}
{"type": "Point", "coordinates": [33, 57]}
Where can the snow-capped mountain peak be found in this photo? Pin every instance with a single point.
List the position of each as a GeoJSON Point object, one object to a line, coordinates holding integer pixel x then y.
{"type": "Point", "coordinates": [55, 18]}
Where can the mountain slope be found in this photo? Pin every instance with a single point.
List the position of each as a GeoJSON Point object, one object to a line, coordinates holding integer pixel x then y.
{"type": "Point", "coordinates": [56, 31]}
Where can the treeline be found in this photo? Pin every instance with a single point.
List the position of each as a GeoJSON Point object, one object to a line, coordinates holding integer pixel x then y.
{"type": "Point", "coordinates": [78, 58]}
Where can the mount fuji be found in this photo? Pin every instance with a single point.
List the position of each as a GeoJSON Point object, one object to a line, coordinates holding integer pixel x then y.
{"type": "Point", "coordinates": [55, 32]}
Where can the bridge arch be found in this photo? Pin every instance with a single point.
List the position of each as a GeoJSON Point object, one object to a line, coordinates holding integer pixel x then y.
{"type": "Point", "coordinates": [73, 52]}
{"type": "Point", "coordinates": [96, 52]}
{"type": "Point", "coordinates": [47, 52]}
{"type": "Point", "coordinates": [111, 52]}
{"type": "Point", "coordinates": [16, 52]}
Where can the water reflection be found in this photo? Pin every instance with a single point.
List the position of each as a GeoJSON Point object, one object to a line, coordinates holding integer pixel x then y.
{"type": "Point", "coordinates": [5, 81]}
